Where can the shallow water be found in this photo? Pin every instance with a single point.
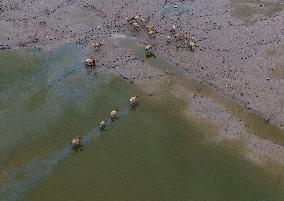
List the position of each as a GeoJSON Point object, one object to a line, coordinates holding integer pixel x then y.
{"type": "Point", "coordinates": [277, 73]}
{"type": "Point", "coordinates": [248, 11]}
{"type": "Point", "coordinates": [48, 96]}
{"type": "Point", "coordinates": [152, 153]}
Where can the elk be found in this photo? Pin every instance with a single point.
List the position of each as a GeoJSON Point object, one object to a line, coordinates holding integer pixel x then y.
{"type": "Point", "coordinates": [90, 62]}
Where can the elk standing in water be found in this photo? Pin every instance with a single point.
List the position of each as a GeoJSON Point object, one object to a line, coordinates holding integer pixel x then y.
{"type": "Point", "coordinates": [113, 114]}
{"type": "Point", "coordinates": [102, 125]}
{"type": "Point", "coordinates": [90, 62]}
{"type": "Point", "coordinates": [133, 101]}
{"type": "Point", "coordinates": [149, 49]}
{"type": "Point", "coordinates": [76, 142]}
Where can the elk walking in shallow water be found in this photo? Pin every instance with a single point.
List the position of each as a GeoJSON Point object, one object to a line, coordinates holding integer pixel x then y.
{"type": "Point", "coordinates": [76, 142]}
{"type": "Point", "coordinates": [102, 125]}
{"type": "Point", "coordinates": [113, 114]}
{"type": "Point", "coordinates": [133, 101]}
{"type": "Point", "coordinates": [149, 49]}
{"type": "Point", "coordinates": [90, 62]}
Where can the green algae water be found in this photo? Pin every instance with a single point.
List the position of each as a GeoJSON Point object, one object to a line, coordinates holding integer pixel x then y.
{"type": "Point", "coordinates": [151, 153]}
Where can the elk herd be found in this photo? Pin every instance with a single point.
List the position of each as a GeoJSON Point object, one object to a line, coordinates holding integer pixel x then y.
{"type": "Point", "coordinates": [113, 115]}
{"type": "Point", "coordinates": [138, 23]}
